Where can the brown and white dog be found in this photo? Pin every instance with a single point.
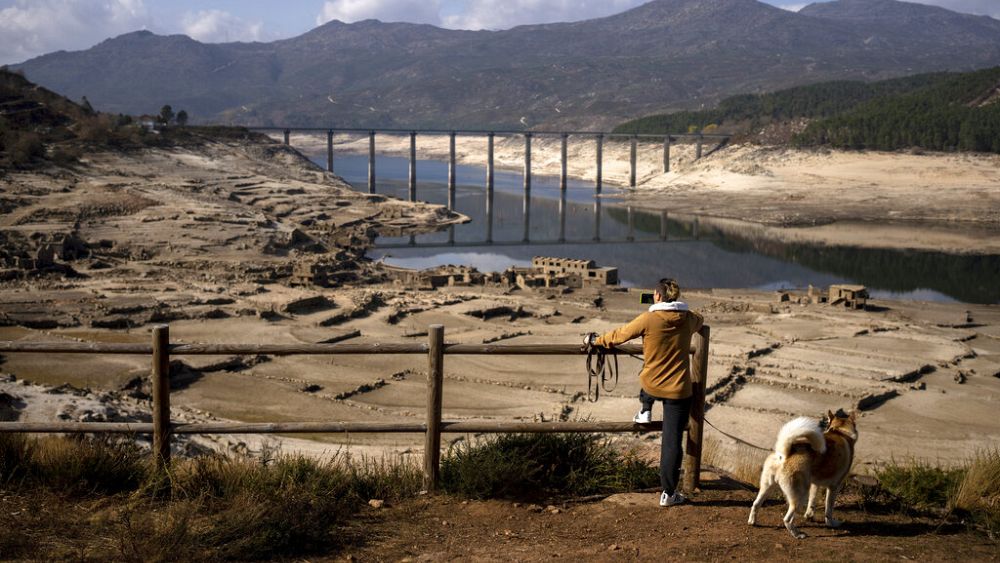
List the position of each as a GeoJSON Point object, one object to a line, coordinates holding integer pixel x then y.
{"type": "Point", "coordinates": [804, 459]}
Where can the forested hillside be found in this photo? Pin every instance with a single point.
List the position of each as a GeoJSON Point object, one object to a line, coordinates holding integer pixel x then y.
{"type": "Point", "coordinates": [958, 113]}
{"type": "Point", "coordinates": [939, 111]}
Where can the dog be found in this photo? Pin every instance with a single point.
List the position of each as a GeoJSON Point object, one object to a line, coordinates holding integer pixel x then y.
{"type": "Point", "coordinates": [806, 458]}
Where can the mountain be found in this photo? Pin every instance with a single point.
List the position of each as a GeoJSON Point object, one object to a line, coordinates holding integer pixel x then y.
{"type": "Point", "coordinates": [663, 55]}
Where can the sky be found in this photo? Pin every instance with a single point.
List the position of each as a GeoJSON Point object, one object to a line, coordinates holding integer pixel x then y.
{"type": "Point", "coordinates": [29, 28]}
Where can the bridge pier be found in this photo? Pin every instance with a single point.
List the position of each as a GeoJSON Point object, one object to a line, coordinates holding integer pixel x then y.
{"type": "Point", "coordinates": [288, 134]}
{"type": "Point", "coordinates": [562, 161]}
{"type": "Point", "coordinates": [666, 154]}
{"type": "Point", "coordinates": [527, 162]}
{"type": "Point", "coordinates": [489, 187]}
{"type": "Point", "coordinates": [600, 161]}
{"type": "Point", "coordinates": [631, 162]}
{"type": "Point", "coordinates": [329, 150]}
{"type": "Point", "coordinates": [597, 219]}
{"type": "Point", "coordinates": [526, 213]}
{"type": "Point", "coordinates": [697, 155]}
{"type": "Point", "coordinates": [413, 166]}
{"type": "Point", "coordinates": [451, 171]}
{"type": "Point", "coordinates": [562, 216]}
{"type": "Point", "coordinates": [371, 162]}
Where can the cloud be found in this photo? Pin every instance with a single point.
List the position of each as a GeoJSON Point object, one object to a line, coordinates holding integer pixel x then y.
{"type": "Point", "coordinates": [414, 11]}
{"type": "Point", "coordinates": [217, 26]}
{"type": "Point", "coordinates": [489, 14]}
{"type": "Point", "coordinates": [792, 7]}
{"type": "Point", "coordinates": [32, 27]}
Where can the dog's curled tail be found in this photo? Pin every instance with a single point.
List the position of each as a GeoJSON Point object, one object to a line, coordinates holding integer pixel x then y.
{"type": "Point", "coordinates": [802, 430]}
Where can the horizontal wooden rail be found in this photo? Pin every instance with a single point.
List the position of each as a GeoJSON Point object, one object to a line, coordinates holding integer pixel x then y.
{"type": "Point", "coordinates": [452, 427]}
{"type": "Point", "coordinates": [301, 349]}
{"type": "Point", "coordinates": [162, 428]}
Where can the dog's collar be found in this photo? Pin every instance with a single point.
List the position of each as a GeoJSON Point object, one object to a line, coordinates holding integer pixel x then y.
{"type": "Point", "coordinates": [853, 437]}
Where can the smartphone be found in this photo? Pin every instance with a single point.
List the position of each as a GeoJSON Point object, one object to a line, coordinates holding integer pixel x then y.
{"type": "Point", "coordinates": [646, 298]}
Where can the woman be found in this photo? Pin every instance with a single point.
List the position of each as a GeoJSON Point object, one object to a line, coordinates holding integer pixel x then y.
{"type": "Point", "coordinates": [666, 331]}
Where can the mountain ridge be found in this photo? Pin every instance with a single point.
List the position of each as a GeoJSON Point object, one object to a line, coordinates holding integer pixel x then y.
{"type": "Point", "coordinates": [662, 55]}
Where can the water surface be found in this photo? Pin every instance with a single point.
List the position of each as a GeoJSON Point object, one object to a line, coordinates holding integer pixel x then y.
{"type": "Point", "coordinates": [645, 245]}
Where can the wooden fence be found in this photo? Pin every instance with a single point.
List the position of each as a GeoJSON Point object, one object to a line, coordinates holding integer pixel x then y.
{"type": "Point", "coordinates": [162, 428]}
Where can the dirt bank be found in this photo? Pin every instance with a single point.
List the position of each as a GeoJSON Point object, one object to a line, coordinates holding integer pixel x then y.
{"type": "Point", "coordinates": [631, 527]}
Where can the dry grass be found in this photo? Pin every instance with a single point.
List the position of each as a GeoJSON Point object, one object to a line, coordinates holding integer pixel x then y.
{"type": "Point", "coordinates": [742, 462]}
{"type": "Point", "coordinates": [978, 493]}
{"type": "Point", "coordinates": [100, 499]}
{"type": "Point", "coordinates": [72, 498]}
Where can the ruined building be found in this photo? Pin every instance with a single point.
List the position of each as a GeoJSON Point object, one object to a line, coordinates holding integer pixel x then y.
{"type": "Point", "coordinates": [573, 273]}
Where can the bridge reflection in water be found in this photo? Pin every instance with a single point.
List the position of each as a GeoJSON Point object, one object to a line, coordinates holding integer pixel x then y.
{"type": "Point", "coordinates": [646, 245]}
{"type": "Point", "coordinates": [669, 229]}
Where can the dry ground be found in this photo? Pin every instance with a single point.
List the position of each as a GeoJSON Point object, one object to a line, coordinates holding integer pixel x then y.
{"type": "Point", "coordinates": [631, 527]}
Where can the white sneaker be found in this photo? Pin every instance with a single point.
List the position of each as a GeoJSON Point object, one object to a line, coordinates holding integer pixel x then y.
{"type": "Point", "coordinates": [671, 500]}
{"type": "Point", "coordinates": [643, 417]}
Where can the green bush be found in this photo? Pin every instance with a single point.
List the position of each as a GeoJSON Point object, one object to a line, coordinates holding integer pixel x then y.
{"type": "Point", "coordinates": [918, 485]}
{"type": "Point", "coordinates": [536, 465]}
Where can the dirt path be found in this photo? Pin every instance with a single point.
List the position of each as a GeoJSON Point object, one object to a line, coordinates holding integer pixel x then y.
{"type": "Point", "coordinates": [632, 527]}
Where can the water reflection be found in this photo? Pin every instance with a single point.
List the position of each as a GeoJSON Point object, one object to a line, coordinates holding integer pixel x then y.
{"type": "Point", "coordinates": [510, 226]}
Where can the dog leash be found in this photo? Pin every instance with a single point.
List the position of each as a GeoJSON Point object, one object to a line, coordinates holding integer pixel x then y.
{"type": "Point", "coordinates": [731, 437]}
{"type": "Point", "coordinates": [601, 371]}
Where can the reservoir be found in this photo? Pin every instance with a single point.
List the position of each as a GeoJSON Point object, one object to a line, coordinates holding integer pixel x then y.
{"type": "Point", "coordinates": [645, 245]}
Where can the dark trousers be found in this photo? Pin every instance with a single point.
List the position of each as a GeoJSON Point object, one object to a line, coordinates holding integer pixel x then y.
{"type": "Point", "coordinates": [675, 420]}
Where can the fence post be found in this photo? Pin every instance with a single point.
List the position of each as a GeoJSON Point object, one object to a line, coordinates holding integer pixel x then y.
{"type": "Point", "coordinates": [161, 396]}
{"type": "Point", "coordinates": [699, 375]}
{"type": "Point", "coordinates": [435, 380]}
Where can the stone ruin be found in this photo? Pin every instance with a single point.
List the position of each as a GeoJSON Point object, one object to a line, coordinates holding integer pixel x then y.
{"type": "Point", "coordinates": [851, 296]}
{"type": "Point", "coordinates": [545, 273]}
{"type": "Point", "coordinates": [40, 253]}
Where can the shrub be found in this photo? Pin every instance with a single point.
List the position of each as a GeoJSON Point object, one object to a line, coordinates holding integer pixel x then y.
{"type": "Point", "coordinates": [25, 149]}
{"type": "Point", "coordinates": [978, 492]}
{"type": "Point", "coordinates": [289, 505]}
{"type": "Point", "coordinates": [99, 465]}
{"type": "Point", "coordinates": [532, 465]}
{"type": "Point", "coordinates": [16, 452]}
{"type": "Point", "coordinates": [918, 485]}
